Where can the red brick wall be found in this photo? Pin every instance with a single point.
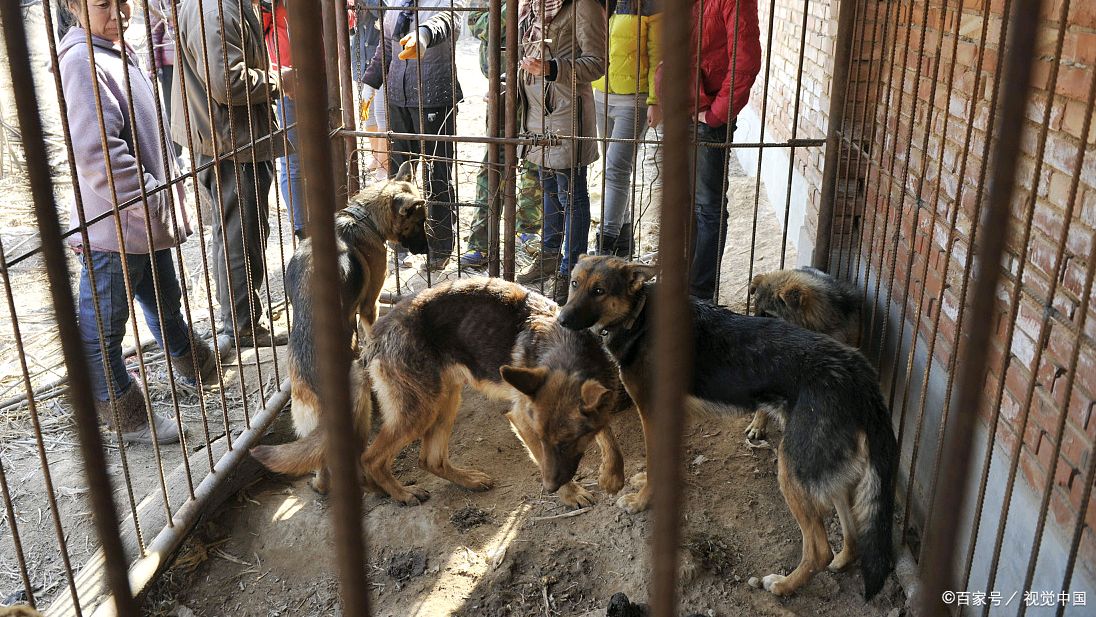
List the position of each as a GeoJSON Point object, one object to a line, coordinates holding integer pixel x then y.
{"type": "Point", "coordinates": [891, 195]}
{"type": "Point", "coordinates": [814, 94]}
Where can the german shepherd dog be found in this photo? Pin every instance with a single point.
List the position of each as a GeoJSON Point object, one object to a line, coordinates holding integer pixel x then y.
{"type": "Point", "coordinates": [392, 211]}
{"type": "Point", "coordinates": [503, 340]}
{"type": "Point", "coordinates": [838, 449]}
{"type": "Point", "coordinates": [810, 299]}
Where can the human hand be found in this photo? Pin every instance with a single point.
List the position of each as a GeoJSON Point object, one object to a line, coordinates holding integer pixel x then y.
{"type": "Point", "coordinates": [535, 67]}
{"type": "Point", "coordinates": [288, 80]}
{"type": "Point", "coordinates": [654, 115]}
{"type": "Point", "coordinates": [410, 43]}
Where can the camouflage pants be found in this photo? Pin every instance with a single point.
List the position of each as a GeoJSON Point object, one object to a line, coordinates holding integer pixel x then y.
{"type": "Point", "coordinates": [529, 205]}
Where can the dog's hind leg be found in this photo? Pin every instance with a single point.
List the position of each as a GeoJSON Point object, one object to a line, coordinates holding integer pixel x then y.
{"type": "Point", "coordinates": [843, 504]}
{"type": "Point", "coordinates": [808, 512]}
{"type": "Point", "coordinates": [434, 455]}
{"type": "Point", "coordinates": [404, 420]}
{"type": "Point", "coordinates": [571, 494]}
{"type": "Point", "coordinates": [756, 428]}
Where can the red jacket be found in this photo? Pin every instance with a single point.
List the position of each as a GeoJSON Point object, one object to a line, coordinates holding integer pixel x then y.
{"type": "Point", "coordinates": [717, 46]}
{"type": "Point", "coordinates": [276, 32]}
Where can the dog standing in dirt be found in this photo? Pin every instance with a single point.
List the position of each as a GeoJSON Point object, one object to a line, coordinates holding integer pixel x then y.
{"type": "Point", "coordinates": [838, 449]}
{"type": "Point", "coordinates": [392, 211]}
{"type": "Point", "coordinates": [503, 340]}
{"type": "Point", "coordinates": [810, 299]}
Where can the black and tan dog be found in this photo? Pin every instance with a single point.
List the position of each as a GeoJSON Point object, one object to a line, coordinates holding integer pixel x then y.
{"type": "Point", "coordinates": [392, 211]}
{"type": "Point", "coordinates": [503, 340]}
{"type": "Point", "coordinates": [810, 299]}
{"type": "Point", "coordinates": [838, 449]}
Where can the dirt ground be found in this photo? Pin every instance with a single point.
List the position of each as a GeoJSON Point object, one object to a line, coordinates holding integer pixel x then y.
{"type": "Point", "coordinates": [269, 551]}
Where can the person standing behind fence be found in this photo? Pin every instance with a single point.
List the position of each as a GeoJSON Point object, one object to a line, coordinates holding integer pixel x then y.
{"type": "Point", "coordinates": [626, 105]}
{"type": "Point", "coordinates": [239, 75]}
{"type": "Point", "coordinates": [163, 56]}
{"type": "Point", "coordinates": [527, 220]}
{"type": "Point", "coordinates": [421, 48]}
{"type": "Point", "coordinates": [365, 39]}
{"type": "Point", "coordinates": [563, 42]}
{"type": "Point", "coordinates": [729, 61]}
{"type": "Point", "coordinates": [130, 240]}
{"type": "Point", "coordinates": [276, 32]}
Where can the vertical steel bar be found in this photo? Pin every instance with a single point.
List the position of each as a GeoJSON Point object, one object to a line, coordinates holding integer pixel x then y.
{"type": "Point", "coordinates": [854, 90]}
{"type": "Point", "coordinates": [510, 176]}
{"type": "Point", "coordinates": [494, 116]}
{"type": "Point", "coordinates": [672, 319]}
{"type": "Point", "coordinates": [334, 354]}
{"type": "Point", "coordinates": [331, 44]}
{"type": "Point", "coordinates": [1090, 473]}
{"type": "Point", "coordinates": [91, 445]}
{"type": "Point", "coordinates": [346, 95]}
{"type": "Point", "coordinates": [794, 132]}
{"type": "Point", "coordinates": [846, 15]}
{"type": "Point", "coordinates": [17, 543]}
{"type": "Point", "coordinates": [941, 532]}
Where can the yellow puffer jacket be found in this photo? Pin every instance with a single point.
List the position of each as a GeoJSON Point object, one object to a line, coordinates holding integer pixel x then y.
{"type": "Point", "coordinates": [634, 37]}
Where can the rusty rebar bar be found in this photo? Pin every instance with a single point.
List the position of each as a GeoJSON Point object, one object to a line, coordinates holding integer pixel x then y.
{"type": "Point", "coordinates": [101, 494]}
{"type": "Point", "coordinates": [938, 566]}
{"type": "Point", "coordinates": [340, 436]}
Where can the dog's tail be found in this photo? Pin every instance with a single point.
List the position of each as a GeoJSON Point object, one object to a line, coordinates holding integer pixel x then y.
{"type": "Point", "coordinates": [873, 505]}
{"type": "Point", "coordinates": [295, 458]}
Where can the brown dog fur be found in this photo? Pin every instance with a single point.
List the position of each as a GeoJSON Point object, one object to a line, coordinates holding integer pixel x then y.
{"type": "Point", "coordinates": [503, 340]}
{"type": "Point", "coordinates": [810, 299]}
{"type": "Point", "coordinates": [392, 211]}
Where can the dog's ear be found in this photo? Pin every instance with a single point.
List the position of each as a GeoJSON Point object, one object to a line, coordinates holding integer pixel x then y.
{"type": "Point", "coordinates": [408, 206]}
{"type": "Point", "coordinates": [592, 394]}
{"type": "Point", "coordinates": [638, 274]}
{"type": "Point", "coordinates": [792, 296]}
{"type": "Point", "coordinates": [403, 174]}
{"type": "Point", "coordinates": [756, 282]}
{"type": "Point", "coordinates": [581, 257]}
{"type": "Point", "coordinates": [528, 381]}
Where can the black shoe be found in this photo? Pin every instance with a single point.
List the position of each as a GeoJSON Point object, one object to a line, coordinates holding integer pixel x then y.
{"type": "Point", "coordinates": [604, 244]}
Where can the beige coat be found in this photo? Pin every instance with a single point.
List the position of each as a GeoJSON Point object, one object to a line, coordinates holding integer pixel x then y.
{"type": "Point", "coordinates": [250, 80]}
{"type": "Point", "coordinates": [565, 106]}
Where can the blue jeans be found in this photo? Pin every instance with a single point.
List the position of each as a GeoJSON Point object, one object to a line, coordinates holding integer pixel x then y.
{"type": "Point", "coordinates": [114, 311]}
{"type": "Point", "coordinates": [566, 213]}
{"type": "Point", "coordinates": [289, 166]}
{"type": "Point", "coordinates": [711, 210]}
{"type": "Point", "coordinates": [620, 158]}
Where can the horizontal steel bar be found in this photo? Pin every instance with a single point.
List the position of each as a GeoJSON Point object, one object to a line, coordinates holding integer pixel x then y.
{"type": "Point", "coordinates": [528, 140]}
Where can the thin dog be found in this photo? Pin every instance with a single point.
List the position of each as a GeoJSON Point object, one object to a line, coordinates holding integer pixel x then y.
{"type": "Point", "coordinates": [838, 449]}
{"type": "Point", "coordinates": [392, 211]}
{"type": "Point", "coordinates": [503, 340]}
{"type": "Point", "coordinates": [810, 299]}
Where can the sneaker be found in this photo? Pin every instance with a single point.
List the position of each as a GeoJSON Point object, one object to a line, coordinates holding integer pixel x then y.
{"type": "Point", "coordinates": [167, 432]}
{"type": "Point", "coordinates": [473, 259]}
{"type": "Point", "coordinates": [540, 269]}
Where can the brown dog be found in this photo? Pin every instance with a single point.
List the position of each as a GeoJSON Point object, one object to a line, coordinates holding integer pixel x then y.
{"type": "Point", "coordinates": [503, 340]}
{"type": "Point", "coordinates": [838, 450]}
{"type": "Point", "coordinates": [808, 298]}
{"type": "Point", "coordinates": [392, 211]}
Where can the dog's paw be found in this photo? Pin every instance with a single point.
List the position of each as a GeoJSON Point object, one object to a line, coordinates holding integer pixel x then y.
{"type": "Point", "coordinates": [574, 496]}
{"type": "Point", "coordinates": [633, 503]}
{"type": "Point", "coordinates": [841, 561]}
{"type": "Point", "coordinates": [610, 481]}
{"type": "Point", "coordinates": [415, 495]}
{"type": "Point", "coordinates": [639, 480]}
{"type": "Point", "coordinates": [774, 584]}
{"type": "Point", "coordinates": [476, 480]}
{"type": "Point", "coordinates": [756, 430]}
{"type": "Point", "coordinates": [319, 485]}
